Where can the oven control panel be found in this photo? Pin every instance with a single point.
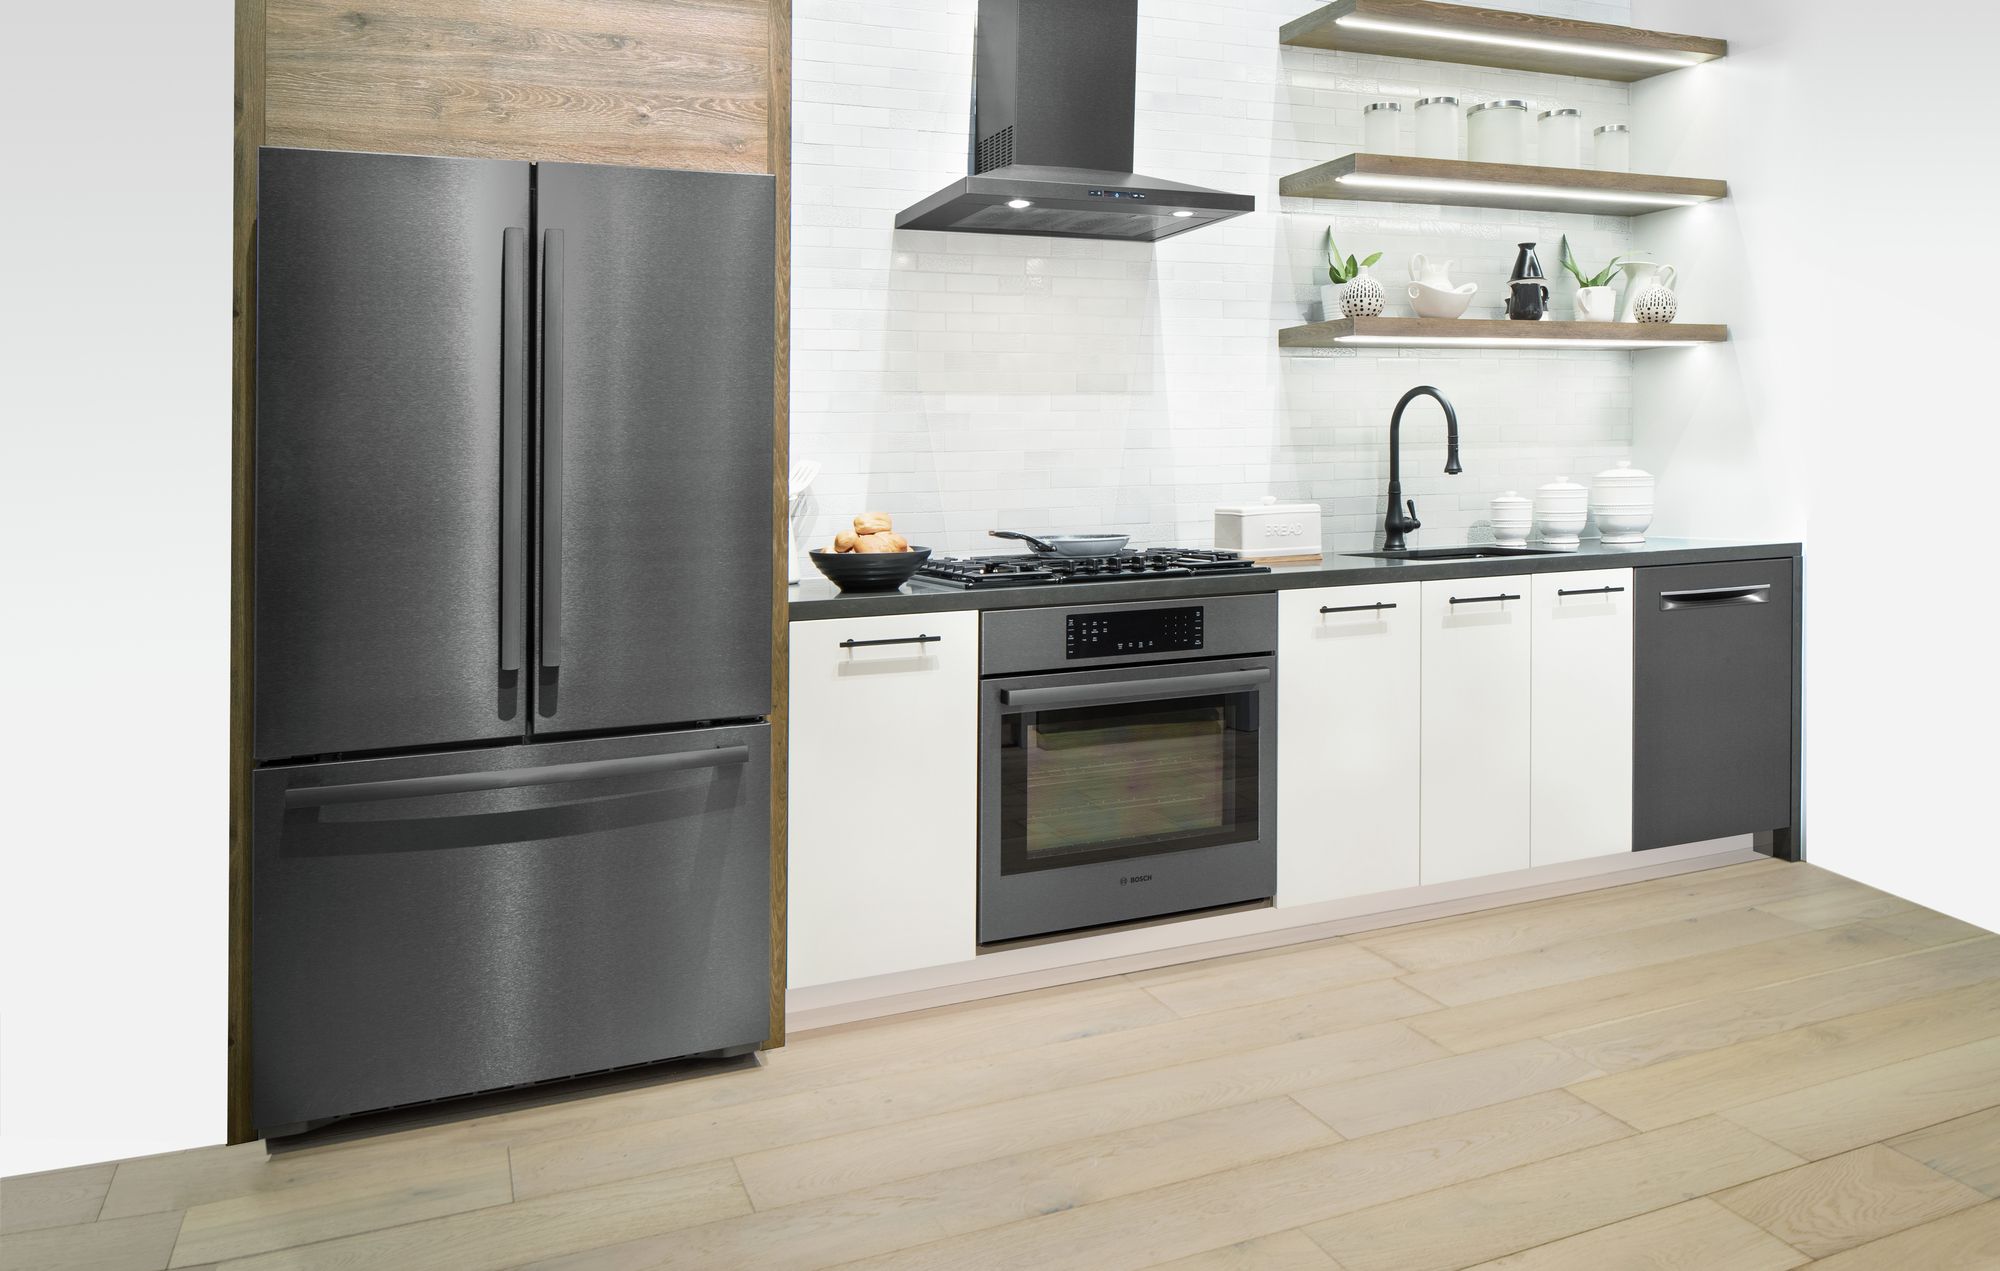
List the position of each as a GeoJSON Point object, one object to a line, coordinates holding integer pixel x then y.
{"type": "Point", "coordinates": [1110, 633]}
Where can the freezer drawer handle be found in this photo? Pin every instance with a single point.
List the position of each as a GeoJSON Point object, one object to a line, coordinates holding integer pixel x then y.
{"type": "Point", "coordinates": [1714, 597]}
{"type": "Point", "coordinates": [552, 445]}
{"type": "Point", "coordinates": [512, 778]}
{"type": "Point", "coordinates": [1481, 600]}
{"type": "Point", "coordinates": [1376, 607]}
{"type": "Point", "coordinates": [1588, 591]}
{"type": "Point", "coordinates": [871, 644]}
{"type": "Point", "coordinates": [1133, 690]}
{"type": "Point", "coordinates": [513, 395]}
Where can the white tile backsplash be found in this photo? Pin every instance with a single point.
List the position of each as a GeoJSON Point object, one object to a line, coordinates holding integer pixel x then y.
{"type": "Point", "coordinates": [967, 382]}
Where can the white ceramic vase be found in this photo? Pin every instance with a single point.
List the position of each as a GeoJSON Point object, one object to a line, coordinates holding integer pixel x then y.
{"type": "Point", "coordinates": [1640, 275]}
{"type": "Point", "coordinates": [1596, 304]}
{"type": "Point", "coordinates": [1513, 516]}
{"type": "Point", "coordinates": [1655, 304]}
{"type": "Point", "coordinates": [1621, 501]}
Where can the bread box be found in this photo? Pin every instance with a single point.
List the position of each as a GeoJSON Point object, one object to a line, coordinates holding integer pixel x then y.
{"type": "Point", "coordinates": [1270, 530]}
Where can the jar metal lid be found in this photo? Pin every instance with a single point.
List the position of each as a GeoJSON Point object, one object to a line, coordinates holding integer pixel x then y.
{"type": "Point", "coordinates": [1562, 110]}
{"type": "Point", "coordinates": [1509, 103]}
{"type": "Point", "coordinates": [1613, 128]}
{"type": "Point", "coordinates": [1436, 101]}
{"type": "Point", "coordinates": [1374, 106]}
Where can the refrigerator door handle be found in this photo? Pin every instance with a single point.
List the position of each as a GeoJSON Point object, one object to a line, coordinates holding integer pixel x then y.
{"type": "Point", "coordinates": [552, 446]}
{"type": "Point", "coordinates": [513, 400]}
{"type": "Point", "coordinates": [513, 778]}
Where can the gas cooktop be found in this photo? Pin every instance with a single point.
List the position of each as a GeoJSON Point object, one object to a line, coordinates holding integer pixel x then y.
{"type": "Point", "coordinates": [1021, 569]}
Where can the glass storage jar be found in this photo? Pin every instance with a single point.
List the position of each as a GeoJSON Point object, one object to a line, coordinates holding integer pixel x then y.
{"type": "Point", "coordinates": [1439, 135]}
{"type": "Point", "coordinates": [1559, 138]}
{"type": "Point", "coordinates": [1498, 131]}
{"type": "Point", "coordinates": [1613, 149]}
{"type": "Point", "coordinates": [1379, 127]}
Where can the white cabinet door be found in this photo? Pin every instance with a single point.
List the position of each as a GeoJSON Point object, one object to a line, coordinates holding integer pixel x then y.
{"type": "Point", "coordinates": [1475, 739]}
{"type": "Point", "coordinates": [1582, 709]}
{"type": "Point", "coordinates": [1350, 710]}
{"type": "Point", "coordinates": [884, 795]}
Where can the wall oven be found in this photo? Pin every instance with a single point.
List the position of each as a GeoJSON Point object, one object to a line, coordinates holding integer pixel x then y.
{"type": "Point", "coordinates": [1127, 762]}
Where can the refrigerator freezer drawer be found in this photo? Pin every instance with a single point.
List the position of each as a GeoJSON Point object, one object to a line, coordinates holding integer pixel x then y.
{"type": "Point", "coordinates": [441, 925]}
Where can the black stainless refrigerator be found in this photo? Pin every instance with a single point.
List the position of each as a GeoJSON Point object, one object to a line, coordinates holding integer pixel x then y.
{"type": "Point", "coordinates": [514, 519]}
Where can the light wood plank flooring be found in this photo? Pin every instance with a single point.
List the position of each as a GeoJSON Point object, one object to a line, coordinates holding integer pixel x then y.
{"type": "Point", "coordinates": [1743, 1069]}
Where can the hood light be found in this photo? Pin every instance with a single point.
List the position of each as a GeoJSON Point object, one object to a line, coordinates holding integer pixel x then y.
{"type": "Point", "coordinates": [1441, 185]}
{"type": "Point", "coordinates": [1183, 214]}
{"type": "Point", "coordinates": [1018, 204]}
{"type": "Point", "coordinates": [1639, 57]}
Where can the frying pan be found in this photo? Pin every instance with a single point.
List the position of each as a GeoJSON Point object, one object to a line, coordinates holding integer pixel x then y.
{"type": "Point", "coordinates": [1069, 544]}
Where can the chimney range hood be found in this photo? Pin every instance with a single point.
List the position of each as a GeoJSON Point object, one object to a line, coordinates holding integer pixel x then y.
{"type": "Point", "coordinates": [1053, 98]}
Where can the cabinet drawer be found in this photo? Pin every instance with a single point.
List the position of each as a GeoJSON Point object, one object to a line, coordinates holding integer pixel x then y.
{"type": "Point", "coordinates": [884, 794]}
{"type": "Point", "coordinates": [1581, 712]}
{"type": "Point", "coordinates": [1475, 727]}
{"type": "Point", "coordinates": [1350, 696]}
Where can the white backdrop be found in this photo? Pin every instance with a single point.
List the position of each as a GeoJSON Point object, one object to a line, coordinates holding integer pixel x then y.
{"type": "Point", "coordinates": [114, 318]}
{"type": "Point", "coordinates": [1854, 406]}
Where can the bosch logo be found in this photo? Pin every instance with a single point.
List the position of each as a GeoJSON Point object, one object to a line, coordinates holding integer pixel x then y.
{"type": "Point", "coordinates": [1136, 878]}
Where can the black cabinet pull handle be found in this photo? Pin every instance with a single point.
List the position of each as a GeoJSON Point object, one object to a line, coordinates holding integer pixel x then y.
{"type": "Point", "coordinates": [1714, 597]}
{"type": "Point", "coordinates": [871, 644]}
{"type": "Point", "coordinates": [552, 446]}
{"type": "Point", "coordinates": [1480, 600]}
{"type": "Point", "coordinates": [1588, 591]}
{"type": "Point", "coordinates": [1355, 608]}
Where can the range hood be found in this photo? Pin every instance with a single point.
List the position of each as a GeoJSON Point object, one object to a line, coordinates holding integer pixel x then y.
{"type": "Point", "coordinates": [1053, 96]}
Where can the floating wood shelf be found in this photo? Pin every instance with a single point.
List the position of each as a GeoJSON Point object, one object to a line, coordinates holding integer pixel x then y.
{"type": "Point", "coordinates": [1392, 178]}
{"type": "Point", "coordinates": [1496, 333]}
{"type": "Point", "coordinates": [1496, 37]}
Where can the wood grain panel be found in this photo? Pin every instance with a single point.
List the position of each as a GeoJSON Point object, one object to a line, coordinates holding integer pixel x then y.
{"type": "Point", "coordinates": [1698, 1235]}
{"type": "Point", "coordinates": [1967, 1149]}
{"type": "Point", "coordinates": [778, 150]}
{"type": "Point", "coordinates": [680, 84]}
{"type": "Point", "coordinates": [1493, 333]}
{"type": "Point", "coordinates": [1848, 1200]}
{"type": "Point", "coordinates": [1516, 186]}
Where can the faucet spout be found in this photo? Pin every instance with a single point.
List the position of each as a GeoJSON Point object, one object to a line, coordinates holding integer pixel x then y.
{"type": "Point", "coordinates": [1397, 523]}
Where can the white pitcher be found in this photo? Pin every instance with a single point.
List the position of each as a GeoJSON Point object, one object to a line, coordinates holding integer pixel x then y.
{"type": "Point", "coordinates": [1639, 275]}
{"type": "Point", "coordinates": [1436, 273]}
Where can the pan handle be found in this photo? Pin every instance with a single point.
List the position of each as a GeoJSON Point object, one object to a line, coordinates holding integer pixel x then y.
{"type": "Point", "coordinates": [1040, 545]}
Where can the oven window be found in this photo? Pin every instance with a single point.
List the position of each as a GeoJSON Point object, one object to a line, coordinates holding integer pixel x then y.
{"type": "Point", "coordinates": [1098, 783]}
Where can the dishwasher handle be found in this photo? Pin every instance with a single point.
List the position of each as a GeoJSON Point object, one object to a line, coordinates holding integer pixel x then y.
{"type": "Point", "coordinates": [1715, 597]}
{"type": "Point", "coordinates": [1134, 690]}
{"type": "Point", "coordinates": [513, 778]}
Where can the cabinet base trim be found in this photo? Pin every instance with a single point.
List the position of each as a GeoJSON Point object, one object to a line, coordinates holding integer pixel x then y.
{"type": "Point", "coordinates": [1052, 963]}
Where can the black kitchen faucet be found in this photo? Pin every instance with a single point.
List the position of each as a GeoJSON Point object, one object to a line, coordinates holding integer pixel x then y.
{"type": "Point", "coordinates": [1397, 524]}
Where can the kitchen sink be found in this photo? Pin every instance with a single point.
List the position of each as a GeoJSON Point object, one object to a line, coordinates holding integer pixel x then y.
{"type": "Point", "coordinates": [1472, 551]}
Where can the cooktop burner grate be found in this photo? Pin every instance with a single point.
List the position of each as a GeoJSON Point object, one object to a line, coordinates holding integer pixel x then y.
{"type": "Point", "coordinates": [1022, 569]}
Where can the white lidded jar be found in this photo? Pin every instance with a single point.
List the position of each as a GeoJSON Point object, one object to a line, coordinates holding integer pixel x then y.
{"type": "Point", "coordinates": [1561, 509]}
{"type": "Point", "coordinates": [1380, 126]}
{"type": "Point", "coordinates": [1439, 135]}
{"type": "Point", "coordinates": [1621, 499]}
{"type": "Point", "coordinates": [1612, 151]}
{"type": "Point", "coordinates": [1559, 138]}
{"type": "Point", "coordinates": [1513, 516]}
{"type": "Point", "coordinates": [1498, 131]}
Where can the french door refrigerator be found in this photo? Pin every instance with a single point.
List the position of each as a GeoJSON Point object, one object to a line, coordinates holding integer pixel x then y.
{"type": "Point", "coordinates": [512, 625]}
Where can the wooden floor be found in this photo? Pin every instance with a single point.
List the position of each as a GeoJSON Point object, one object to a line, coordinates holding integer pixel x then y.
{"type": "Point", "coordinates": [1743, 1069]}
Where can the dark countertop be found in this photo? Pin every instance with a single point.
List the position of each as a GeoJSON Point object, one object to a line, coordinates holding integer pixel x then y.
{"type": "Point", "coordinates": [814, 597]}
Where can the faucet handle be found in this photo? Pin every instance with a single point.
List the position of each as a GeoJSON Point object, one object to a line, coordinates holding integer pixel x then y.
{"type": "Point", "coordinates": [1413, 523]}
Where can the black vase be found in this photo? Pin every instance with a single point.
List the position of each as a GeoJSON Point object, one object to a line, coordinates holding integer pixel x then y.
{"type": "Point", "coordinates": [1527, 264]}
{"type": "Point", "coordinates": [1527, 299]}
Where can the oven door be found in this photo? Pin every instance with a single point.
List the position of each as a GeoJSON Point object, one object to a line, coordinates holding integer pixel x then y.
{"type": "Point", "coordinates": [1111, 795]}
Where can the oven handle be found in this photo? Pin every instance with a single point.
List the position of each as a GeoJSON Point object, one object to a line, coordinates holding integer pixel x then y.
{"type": "Point", "coordinates": [1134, 690]}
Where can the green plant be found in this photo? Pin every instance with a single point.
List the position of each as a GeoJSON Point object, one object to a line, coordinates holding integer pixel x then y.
{"type": "Point", "coordinates": [1348, 270]}
{"type": "Point", "coordinates": [1601, 278]}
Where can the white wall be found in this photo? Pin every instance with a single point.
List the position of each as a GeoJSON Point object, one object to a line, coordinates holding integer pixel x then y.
{"type": "Point", "coordinates": [968, 382]}
{"type": "Point", "coordinates": [113, 856]}
{"type": "Point", "coordinates": [1853, 406]}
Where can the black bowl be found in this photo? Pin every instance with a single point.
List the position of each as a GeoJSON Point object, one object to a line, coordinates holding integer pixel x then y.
{"type": "Point", "coordinates": [870, 571]}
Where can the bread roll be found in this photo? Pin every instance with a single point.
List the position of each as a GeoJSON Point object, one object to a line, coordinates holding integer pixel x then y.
{"type": "Point", "coordinates": [902, 544]}
{"type": "Point", "coordinates": [873, 523]}
{"type": "Point", "coordinates": [881, 543]}
{"type": "Point", "coordinates": [844, 541]}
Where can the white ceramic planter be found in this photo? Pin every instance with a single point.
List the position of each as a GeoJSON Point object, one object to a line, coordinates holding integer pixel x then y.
{"type": "Point", "coordinates": [1596, 304]}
